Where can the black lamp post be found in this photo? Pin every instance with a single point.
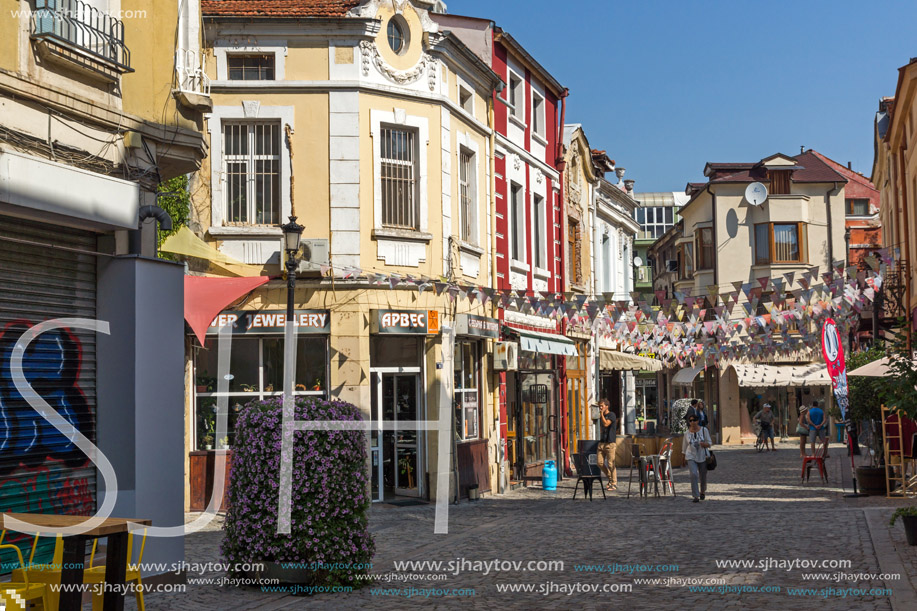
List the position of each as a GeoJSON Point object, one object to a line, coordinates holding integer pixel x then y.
{"type": "Point", "coordinates": [292, 234]}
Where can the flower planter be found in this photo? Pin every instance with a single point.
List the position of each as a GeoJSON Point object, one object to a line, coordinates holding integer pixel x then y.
{"type": "Point", "coordinates": [910, 529]}
{"type": "Point", "coordinates": [871, 480]}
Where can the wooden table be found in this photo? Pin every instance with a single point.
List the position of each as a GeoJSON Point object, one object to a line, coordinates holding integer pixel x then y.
{"type": "Point", "coordinates": [116, 532]}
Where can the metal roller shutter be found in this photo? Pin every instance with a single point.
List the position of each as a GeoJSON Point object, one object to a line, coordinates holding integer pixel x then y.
{"type": "Point", "coordinates": [41, 471]}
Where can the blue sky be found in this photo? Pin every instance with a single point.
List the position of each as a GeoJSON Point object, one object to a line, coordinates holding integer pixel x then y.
{"type": "Point", "coordinates": [666, 86]}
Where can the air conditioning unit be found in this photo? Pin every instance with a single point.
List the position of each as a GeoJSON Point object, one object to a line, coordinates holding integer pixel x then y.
{"type": "Point", "coordinates": [506, 356]}
{"type": "Point", "coordinates": [314, 253]}
{"type": "Point", "coordinates": [671, 265]}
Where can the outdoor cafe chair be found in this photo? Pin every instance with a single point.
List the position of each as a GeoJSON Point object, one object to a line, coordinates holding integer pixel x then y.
{"type": "Point", "coordinates": [44, 573]}
{"type": "Point", "coordinates": [15, 593]}
{"type": "Point", "coordinates": [587, 473]}
{"type": "Point", "coordinates": [665, 466]}
{"type": "Point", "coordinates": [818, 459]}
{"type": "Point", "coordinates": [636, 461]}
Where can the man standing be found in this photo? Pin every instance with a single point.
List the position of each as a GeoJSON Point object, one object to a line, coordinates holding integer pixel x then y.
{"type": "Point", "coordinates": [815, 418]}
{"type": "Point", "coordinates": [697, 410]}
{"type": "Point", "coordinates": [608, 445]}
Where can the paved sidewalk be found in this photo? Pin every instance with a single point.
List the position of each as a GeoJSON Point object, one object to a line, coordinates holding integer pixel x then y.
{"type": "Point", "coordinates": [756, 510]}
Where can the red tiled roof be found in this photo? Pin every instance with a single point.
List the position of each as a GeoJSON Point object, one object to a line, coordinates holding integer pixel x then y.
{"type": "Point", "coordinates": [812, 169]}
{"type": "Point", "coordinates": [277, 8]}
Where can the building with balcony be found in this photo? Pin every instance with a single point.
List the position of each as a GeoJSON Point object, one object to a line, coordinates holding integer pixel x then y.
{"type": "Point", "coordinates": [94, 120]}
{"type": "Point", "coordinates": [724, 240]}
{"type": "Point", "coordinates": [373, 125]}
{"type": "Point", "coordinates": [656, 214]}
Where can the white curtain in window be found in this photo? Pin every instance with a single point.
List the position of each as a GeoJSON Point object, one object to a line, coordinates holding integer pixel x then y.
{"type": "Point", "coordinates": [786, 243]}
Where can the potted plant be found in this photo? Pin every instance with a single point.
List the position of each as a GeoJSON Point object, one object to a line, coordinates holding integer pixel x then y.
{"type": "Point", "coordinates": [208, 441]}
{"type": "Point", "coordinates": [329, 524]}
{"type": "Point", "coordinates": [224, 443]}
{"type": "Point", "coordinates": [318, 384]}
{"type": "Point", "coordinates": [865, 409]}
{"type": "Point", "coordinates": [908, 517]}
{"type": "Point", "coordinates": [204, 383]}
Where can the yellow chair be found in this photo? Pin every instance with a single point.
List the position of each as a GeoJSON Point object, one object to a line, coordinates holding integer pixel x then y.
{"type": "Point", "coordinates": [19, 595]}
{"type": "Point", "coordinates": [50, 574]}
{"type": "Point", "coordinates": [96, 574]}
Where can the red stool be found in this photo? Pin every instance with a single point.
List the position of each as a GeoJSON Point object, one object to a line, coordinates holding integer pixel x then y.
{"type": "Point", "coordinates": [819, 461]}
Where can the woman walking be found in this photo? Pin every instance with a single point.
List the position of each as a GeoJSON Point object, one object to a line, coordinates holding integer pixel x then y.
{"type": "Point", "coordinates": [697, 440]}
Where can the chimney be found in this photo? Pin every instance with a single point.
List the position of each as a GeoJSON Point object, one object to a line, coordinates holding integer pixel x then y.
{"type": "Point", "coordinates": [629, 186]}
{"type": "Point", "coordinates": [850, 165]}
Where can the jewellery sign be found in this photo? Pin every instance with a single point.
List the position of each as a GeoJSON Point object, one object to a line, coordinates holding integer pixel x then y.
{"type": "Point", "coordinates": [833, 351]}
{"type": "Point", "coordinates": [272, 321]}
{"type": "Point", "coordinates": [404, 322]}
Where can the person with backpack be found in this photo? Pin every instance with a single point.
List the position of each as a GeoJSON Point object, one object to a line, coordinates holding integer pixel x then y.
{"type": "Point", "coordinates": [696, 447]}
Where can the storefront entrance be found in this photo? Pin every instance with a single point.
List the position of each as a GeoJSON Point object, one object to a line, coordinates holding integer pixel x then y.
{"type": "Point", "coordinates": [395, 452]}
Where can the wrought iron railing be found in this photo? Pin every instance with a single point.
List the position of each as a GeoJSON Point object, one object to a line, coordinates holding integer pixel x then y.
{"type": "Point", "coordinates": [189, 66]}
{"type": "Point", "coordinates": [77, 26]}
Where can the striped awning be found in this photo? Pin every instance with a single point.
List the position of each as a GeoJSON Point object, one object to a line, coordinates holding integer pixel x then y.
{"type": "Point", "coordinates": [544, 343]}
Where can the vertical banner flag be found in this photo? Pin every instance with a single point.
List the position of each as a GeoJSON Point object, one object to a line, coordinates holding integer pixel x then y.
{"type": "Point", "coordinates": [833, 351]}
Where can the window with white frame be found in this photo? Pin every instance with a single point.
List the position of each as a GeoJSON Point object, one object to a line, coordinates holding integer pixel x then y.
{"type": "Point", "coordinates": [251, 167]}
{"type": "Point", "coordinates": [654, 221]}
{"type": "Point", "coordinates": [606, 263]}
{"type": "Point", "coordinates": [517, 222]}
{"type": "Point", "coordinates": [539, 239]}
{"type": "Point", "coordinates": [537, 113]}
{"type": "Point", "coordinates": [467, 394]}
{"type": "Point", "coordinates": [517, 96]}
{"type": "Point", "coordinates": [467, 199]}
{"type": "Point", "coordinates": [398, 157]}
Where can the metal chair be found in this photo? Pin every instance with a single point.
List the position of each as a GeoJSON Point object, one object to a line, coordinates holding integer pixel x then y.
{"type": "Point", "coordinates": [635, 461]}
{"type": "Point", "coordinates": [588, 474]}
{"type": "Point", "coordinates": [665, 466]}
{"type": "Point", "coordinates": [819, 460]}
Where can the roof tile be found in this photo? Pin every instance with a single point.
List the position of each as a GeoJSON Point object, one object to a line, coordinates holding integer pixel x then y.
{"type": "Point", "coordinates": [277, 8]}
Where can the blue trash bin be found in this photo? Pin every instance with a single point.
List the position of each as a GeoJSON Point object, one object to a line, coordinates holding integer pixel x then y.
{"type": "Point", "coordinates": [549, 476]}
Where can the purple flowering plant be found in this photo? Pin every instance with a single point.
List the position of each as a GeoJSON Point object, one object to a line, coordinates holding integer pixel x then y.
{"type": "Point", "coordinates": [329, 522]}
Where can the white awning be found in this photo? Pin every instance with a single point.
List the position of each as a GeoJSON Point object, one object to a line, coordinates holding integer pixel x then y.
{"type": "Point", "coordinates": [545, 343]}
{"type": "Point", "coordinates": [874, 369]}
{"type": "Point", "coordinates": [612, 360]}
{"type": "Point", "coordinates": [685, 377]}
{"type": "Point", "coordinates": [762, 376]}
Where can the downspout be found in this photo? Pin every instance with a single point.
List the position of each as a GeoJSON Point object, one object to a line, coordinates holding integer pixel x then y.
{"type": "Point", "coordinates": [830, 226]}
{"type": "Point", "coordinates": [162, 217]}
{"type": "Point", "coordinates": [558, 150]}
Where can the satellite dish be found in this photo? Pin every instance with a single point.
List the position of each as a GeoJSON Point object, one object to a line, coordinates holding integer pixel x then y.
{"type": "Point", "coordinates": [638, 261]}
{"type": "Point", "coordinates": [756, 193]}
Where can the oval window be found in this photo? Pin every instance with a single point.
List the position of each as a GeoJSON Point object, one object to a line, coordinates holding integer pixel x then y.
{"type": "Point", "coordinates": [395, 36]}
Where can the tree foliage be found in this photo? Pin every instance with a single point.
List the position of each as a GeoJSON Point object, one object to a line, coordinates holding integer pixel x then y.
{"type": "Point", "coordinates": [177, 205]}
{"type": "Point", "coordinates": [899, 387]}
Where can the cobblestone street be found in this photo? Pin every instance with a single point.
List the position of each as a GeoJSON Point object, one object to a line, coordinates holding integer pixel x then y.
{"type": "Point", "coordinates": [755, 510]}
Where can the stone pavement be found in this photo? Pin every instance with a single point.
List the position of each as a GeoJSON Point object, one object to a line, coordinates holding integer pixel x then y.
{"type": "Point", "coordinates": [756, 511]}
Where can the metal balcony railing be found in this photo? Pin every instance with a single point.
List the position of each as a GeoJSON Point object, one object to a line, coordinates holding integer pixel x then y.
{"type": "Point", "coordinates": [192, 78]}
{"type": "Point", "coordinates": [75, 25]}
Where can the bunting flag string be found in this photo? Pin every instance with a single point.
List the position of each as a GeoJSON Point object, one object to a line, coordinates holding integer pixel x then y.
{"type": "Point", "coordinates": [774, 318]}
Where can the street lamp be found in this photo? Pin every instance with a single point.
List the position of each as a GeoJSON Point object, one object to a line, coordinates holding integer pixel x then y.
{"type": "Point", "coordinates": [292, 234]}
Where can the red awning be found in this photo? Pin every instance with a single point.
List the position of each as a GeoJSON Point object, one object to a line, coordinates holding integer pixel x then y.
{"type": "Point", "coordinates": [206, 297]}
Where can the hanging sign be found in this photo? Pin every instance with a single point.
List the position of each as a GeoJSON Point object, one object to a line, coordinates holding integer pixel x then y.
{"type": "Point", "coordinates": [833, 351]}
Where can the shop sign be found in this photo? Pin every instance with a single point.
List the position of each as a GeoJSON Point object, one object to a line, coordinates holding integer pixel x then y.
{"type": "Point", "coordinates": [477, 326]}
{"type": "Point", "coordinates": [271, 321]}
{"type": "Point", "coordinates": [404, 322]}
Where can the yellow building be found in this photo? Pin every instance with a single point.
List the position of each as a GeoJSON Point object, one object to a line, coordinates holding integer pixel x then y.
{"type": "Point", "coordinates": [100, 101]}
{"type": "Point", "coordinates": [894, 173]}
{"type": "Point", "coordinates": [373, 127]}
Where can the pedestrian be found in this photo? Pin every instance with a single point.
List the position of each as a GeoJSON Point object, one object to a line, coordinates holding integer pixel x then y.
{"type": "Point", "coordinates": [815, 418]}
{"type": "Point", "coordinates": [702, 413]}
{"type": "Point", "coordinates": [608, 445]}
{"type": "Point", "coordinates": [802, 429]}
{"type": "Point", "coordinates": [695, 447]}
{"type": "Point", "coordinates": [766, 417]}
{"type": "Point", "coordinates": [692, 410]}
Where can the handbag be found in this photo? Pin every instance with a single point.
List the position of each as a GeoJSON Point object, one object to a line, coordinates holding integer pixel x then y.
{"type": "Point", "coordinates": [711, 457]}
{"type": "Point", "coordinates": [801, 430]}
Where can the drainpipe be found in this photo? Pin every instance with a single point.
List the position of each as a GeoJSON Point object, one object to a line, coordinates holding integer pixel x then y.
{"type": "Point", "coordinates": [828, 195]}
{"type": "Point", "coordinates": [558, 150]}
{"type": "Point", "coordinates": [162, 217]}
